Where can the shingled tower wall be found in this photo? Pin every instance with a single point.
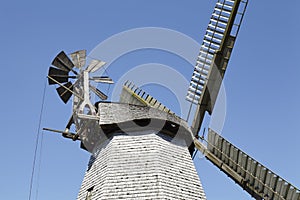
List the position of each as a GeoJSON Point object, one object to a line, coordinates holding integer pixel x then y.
{"type": "Point", "coordinates": [141, 165]}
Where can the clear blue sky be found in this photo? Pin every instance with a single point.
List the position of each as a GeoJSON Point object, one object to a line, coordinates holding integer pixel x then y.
{"type": "Point", "coordinates": [262, 85]}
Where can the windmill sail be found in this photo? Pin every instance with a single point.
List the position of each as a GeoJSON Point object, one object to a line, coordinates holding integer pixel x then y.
{"type": "Point", "coordinates": [252, 176]}
{"type": "Point", "coordinates": [132, 94]}
{"type": "Point", "coordinates": [214, 55]}
{"type": "Point", "coordinates": [79, 58]}
{"type": "Point", "coordinates": [62, 61]}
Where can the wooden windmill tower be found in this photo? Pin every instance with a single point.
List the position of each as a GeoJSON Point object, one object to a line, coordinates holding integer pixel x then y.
{"type": "Point", "coordinates": [140, 148]}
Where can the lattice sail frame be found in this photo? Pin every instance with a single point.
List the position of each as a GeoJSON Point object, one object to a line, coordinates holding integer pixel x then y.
{"type": "Point", "coordinates": [141, 97]}
{"type": "Point", "coordinates": [254, 177]}
{"type": "Point", "coordinates": [214, 56]}
{"type": "Point", "coordinates": [224, 22]}
{"type": "Point", "coordinates": [211, 64]}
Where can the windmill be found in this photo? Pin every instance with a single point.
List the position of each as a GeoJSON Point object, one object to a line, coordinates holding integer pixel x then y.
{"type": "Point", "coordinates": [126, 162]}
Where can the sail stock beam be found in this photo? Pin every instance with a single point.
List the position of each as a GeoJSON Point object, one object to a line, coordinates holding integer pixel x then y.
{"type": "Point", "coordinates": [252, 176]}
{"type": "Point", "coordinates": [214, 56]}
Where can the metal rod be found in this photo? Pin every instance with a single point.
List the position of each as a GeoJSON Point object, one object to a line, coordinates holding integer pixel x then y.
{"type": "Point", "coordinates": [65, 134]}
{"type": "Point", "coordinates": [58, 131]}
{"type": "Point", "coordinates": [64, 76]}
{"type": "Point", "coordinates": [65, 87]}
